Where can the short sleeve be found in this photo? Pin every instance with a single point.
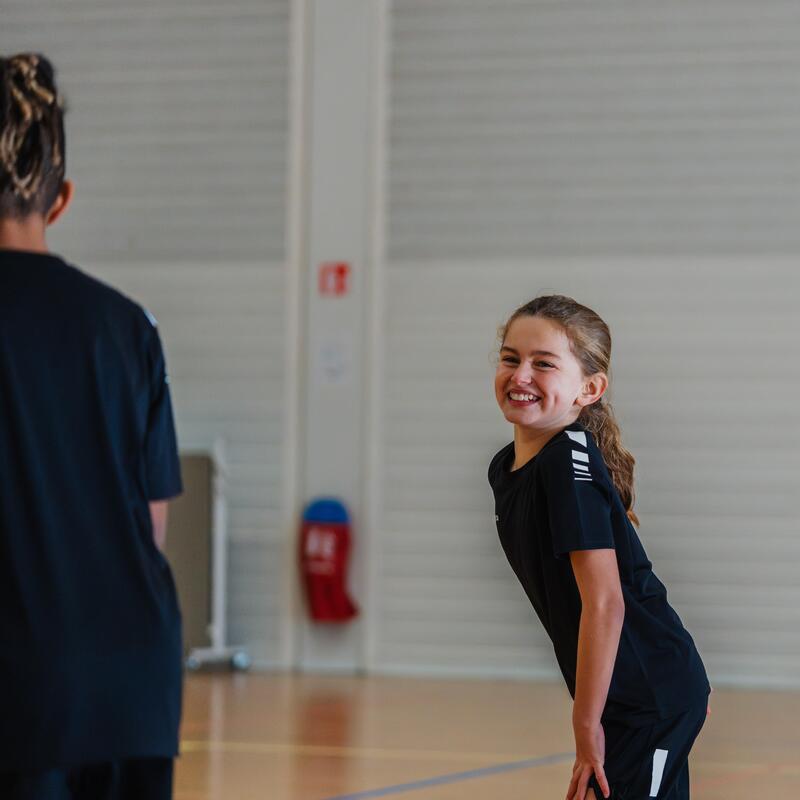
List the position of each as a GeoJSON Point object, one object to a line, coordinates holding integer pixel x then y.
{"type": "Point", "coordinates": [578, 502]}
{"type": "Point", "coordinates": [161, 446]}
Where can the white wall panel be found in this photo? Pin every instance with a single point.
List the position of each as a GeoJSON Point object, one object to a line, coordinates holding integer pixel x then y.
{"type": "Point", "coordinates": [341, 43]}
{"type": "Point", "coordinates": [177, 123]}
{"type": "Point", "coordinates": [227, 379]}
{"type": "Point", "coordinates": [177, 135]}
{"type": "Point", "coordinates": [642, 157]}
{"type": "Point", "coordinates": [524, 127]}
{"type": "Point", "coordinates": [704, 379]}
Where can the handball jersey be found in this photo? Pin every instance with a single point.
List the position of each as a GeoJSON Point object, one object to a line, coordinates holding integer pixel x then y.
{"type": "Point", "coordinates": [91, 662]}
{"type": "Point", "coordinates": [563, 499]}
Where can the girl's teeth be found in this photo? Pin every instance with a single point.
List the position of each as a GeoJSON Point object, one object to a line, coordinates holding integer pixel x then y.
{"type": "Point", "coordinates": [523, 397]}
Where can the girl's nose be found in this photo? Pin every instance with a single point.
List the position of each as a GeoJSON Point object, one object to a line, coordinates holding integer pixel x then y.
{"type": "Point", "coordinates": [522, 374]}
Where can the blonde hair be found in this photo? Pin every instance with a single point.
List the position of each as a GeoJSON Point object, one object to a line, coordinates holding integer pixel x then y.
{"type": "Point", "coordinates": [32, 150]}
{"type": "Point", "coordinates": [590, 343]}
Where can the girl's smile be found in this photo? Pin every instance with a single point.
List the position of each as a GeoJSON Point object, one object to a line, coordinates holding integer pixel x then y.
{"type": "Point", "coordinates": [538, 379]}
{"type": "Point", "coordinates": [522, 399]}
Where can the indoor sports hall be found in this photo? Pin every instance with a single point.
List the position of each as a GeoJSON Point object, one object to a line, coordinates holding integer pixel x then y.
{"type": "Point", "coordinates": [331, 208]}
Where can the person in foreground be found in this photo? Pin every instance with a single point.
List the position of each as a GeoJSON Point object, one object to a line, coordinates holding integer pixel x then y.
{"type": "Point", "coordinates": [564, 511]}
{"type": "Point", "coordinates": [91, 657]}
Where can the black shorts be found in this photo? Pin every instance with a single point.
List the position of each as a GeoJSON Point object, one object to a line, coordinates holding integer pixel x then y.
{"type": "Point", "coordinates": [650, 761]}
{"type": "Point", "coordinates": [129, 779]}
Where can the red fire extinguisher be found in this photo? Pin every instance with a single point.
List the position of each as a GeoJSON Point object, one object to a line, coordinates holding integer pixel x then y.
{"type": "Point", "coordinates": [324, 553]}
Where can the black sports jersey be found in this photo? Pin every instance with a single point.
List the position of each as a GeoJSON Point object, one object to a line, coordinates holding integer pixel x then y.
{"type": "Point", "coordinates": [90, 662]}
{"type": "Point", "coordinates": [563, 499]}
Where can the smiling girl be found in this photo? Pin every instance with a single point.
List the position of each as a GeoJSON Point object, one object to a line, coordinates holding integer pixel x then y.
{"type": "Point", "coordinates": [564, 510]}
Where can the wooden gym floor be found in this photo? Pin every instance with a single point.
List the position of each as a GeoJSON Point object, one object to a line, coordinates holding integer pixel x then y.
{"type": "Point", "coordinates": [289, 737]}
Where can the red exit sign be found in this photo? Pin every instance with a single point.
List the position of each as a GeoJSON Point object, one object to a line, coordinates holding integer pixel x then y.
{"type": "Point", "coordinates": [334, 278]}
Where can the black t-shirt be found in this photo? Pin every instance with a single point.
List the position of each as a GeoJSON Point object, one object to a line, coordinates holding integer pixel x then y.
{"type": "Point", "coordinates": [90, 631]}
{"type": "Point", "coordinates": [563, 499]}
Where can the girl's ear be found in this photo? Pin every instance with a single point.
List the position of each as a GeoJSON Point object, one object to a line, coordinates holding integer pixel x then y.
{"type": "Point", "coordinates": [593, 389]}
{"type": "Point", "coordinates": [61, 203]}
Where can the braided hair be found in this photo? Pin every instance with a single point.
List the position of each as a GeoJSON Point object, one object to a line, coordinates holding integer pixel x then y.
{"type": "Point", "coordinates": [32, 147]}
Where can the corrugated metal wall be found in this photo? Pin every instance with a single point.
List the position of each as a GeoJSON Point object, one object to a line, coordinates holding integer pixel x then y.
{"type": "Point", "coordinates": [177, 142]}
{"type": "Point", "coordinates": [640, 157]}
{"type": "Point", "coordinates": [526, 127]}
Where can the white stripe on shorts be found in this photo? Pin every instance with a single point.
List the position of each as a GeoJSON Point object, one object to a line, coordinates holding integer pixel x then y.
{"type": "Point", "coordinates": [659, 758]}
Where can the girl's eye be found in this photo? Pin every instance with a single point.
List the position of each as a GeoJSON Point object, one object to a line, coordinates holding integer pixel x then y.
{"type": "Point", "coordinates": [510, 360]}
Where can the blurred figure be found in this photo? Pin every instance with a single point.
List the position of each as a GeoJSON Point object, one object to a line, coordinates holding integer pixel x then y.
{"type": "Point", "coordinates": [91, 658]}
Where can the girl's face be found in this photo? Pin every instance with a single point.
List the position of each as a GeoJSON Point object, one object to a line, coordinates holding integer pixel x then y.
{"type": "Point", "coordinates": [539, 383]}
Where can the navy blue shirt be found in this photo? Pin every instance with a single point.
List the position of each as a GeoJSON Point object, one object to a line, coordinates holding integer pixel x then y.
{"type": "Point", "coordinates": [563, 499]}
{"type": "Point", "coordinates": [90, 660]}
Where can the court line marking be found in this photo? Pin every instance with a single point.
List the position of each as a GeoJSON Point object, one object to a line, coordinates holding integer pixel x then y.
{"type": "Point", "coordinates": [527, 764]}
{"type": "Point", "coordinates": [740, 770]}
{"type": "Point", "coordinates": [332, 751]}
{"type": "Point", "coordinates": [456, 777]}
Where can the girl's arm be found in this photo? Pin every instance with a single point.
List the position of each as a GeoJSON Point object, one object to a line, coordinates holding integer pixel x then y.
{"type": "Point", "coordinates": [602, 614]}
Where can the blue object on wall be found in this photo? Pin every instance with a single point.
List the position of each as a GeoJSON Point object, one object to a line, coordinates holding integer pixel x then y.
{"type": "Point", "coordinates": [326, 509]}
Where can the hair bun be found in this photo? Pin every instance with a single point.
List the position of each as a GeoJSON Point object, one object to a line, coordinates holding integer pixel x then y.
{"type": "Point", "coordinates": [25, 67]}
{"type": "Point", "coordinates": [31, 135]}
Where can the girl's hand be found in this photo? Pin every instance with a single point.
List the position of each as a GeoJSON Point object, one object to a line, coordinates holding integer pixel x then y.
{"type": "Point", "coordinates": [590, 753]}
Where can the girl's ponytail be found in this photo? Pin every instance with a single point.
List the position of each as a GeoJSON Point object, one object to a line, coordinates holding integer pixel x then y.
{"type": "Point", "coordinates": [600, 421]}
